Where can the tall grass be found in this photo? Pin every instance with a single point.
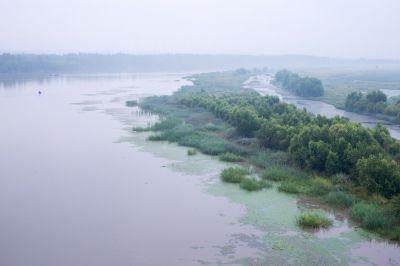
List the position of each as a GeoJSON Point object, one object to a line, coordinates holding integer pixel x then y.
{"type": "Point", "coordinates": [318, 186]}
{"type": "Point", "coordinates": [340, 199]}
{"type": "Point", "coordinates": [290, 187]}
{"type": "Point", "coordinates": [369, 216]}
{"type": "Point", "coordinates": [313, 220]}
{"type": "Point", "coordinates": [230, 157]}
{"type": "Point", "coordinates": [268, 158]}
{"type": "Point", "coordinates": [277, 173]}
{"type": "Point", "coordinates": [233, 174]}
{"type": "Point", "coordinates": [252, 184]}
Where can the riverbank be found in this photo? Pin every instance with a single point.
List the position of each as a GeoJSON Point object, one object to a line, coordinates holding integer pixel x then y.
{"type": "Point", "coordinates": [192, 124]}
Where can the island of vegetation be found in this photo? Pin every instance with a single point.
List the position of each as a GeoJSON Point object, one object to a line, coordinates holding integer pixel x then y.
{"type": "Point", "coordinates": [375, 102]}
{"type": "Point", "coordinates": [301, 86]}
{"type": "Point", "coordinates": [332, 159]}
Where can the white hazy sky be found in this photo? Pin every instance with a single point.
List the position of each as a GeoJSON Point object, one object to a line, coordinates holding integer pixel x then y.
{"type": "Point", "coordinates": [339, 28]}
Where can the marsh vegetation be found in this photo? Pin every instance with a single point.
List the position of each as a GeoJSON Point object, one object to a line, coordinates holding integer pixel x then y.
{"type": "Point", "coordinates": [339, 162]}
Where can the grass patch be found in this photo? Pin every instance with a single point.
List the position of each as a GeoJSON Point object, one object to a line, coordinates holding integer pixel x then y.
{"type": "Point", "coordinates": [340, 199]}
{"type": "Point", "coordinates": [313, 220]}
{"type": "Point", "coordinates": [234, 174]}
{"type": "Point", "coordinates": [230, 157]}
{"type": "Point", "coordinates": [252, 184]}
{"type": "Point", "coordinates": [191, 152]}
{"type": "Point", "coordinates": [319, 186]}
{"type": "Point", "coordinates": [277, 173]}
{"type": "Point", "coordinates": [290, 187]}
{"type": "Point", "coordinates": [369, 216]}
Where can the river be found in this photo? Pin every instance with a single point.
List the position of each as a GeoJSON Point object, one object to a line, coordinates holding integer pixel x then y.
{"type": "Point", "coordinates": [79, 187]}
{"type": "Point", "coordinates": [262, 84]}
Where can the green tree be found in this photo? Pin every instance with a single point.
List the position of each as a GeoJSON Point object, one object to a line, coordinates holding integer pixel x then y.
{"type": "Point", "coordinates": [379, 175]}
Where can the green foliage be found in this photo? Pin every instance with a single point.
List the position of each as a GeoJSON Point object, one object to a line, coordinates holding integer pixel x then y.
{"type": "Point", "coordinates": [131, 103]}
{"type": "Point", "coordinates": [290, 187]}
{"type": "Point", "coordinates": [233, 174]}
{"type": "Point", "coordinates": [305, 87]}
{"type": "Point", "coordinates": [230, 157]}
{"type": "Point", "coordinates": [375, 102]}
{"type": "Point", "coordinates": [379, 175]}
{"type": "Point", "coordinates": [268, 158]}
{"type": "Point", "coordinates": [206, 144]}
{"type": "Point", "coordinates": [395, 234]}
{"type": "Point", "coordinates": [166, 124]}
{"type": "Point", "coordinates": [191, 152]}
{"type": "Point", "coordinates": [369, 215]}
{"type": "Point", "coordinates": [318, 186]}
{"type": "Point", "coordinates": [340, 199]}
{"type": "Point", "coordinates": [252, 184]}
{"type": "Point", "coordinates": [327, 145]}
{"type": "Point", "coordinates": [278, 173]}
{"type": "Point", "coordinates": [313, 220]}
{"type": "Point", "coordinates": [394, 206]}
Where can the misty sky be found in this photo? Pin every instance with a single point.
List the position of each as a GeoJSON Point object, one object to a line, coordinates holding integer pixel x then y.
{"type": "Point", "coordinates": [339, 28]}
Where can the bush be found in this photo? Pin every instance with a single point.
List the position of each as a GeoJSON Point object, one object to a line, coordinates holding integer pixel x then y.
{"type": "Point", "coordinates": [230, 157]}
{"type": "Point", "coordinates": [369, 216]}
{"type": "Point", "coordinates": [233, 174]}
{"type": "Point", "coordinates": [191, 152]}
{"type": "Point", "coordinates": [289, 187]}
{"type": "Point", "coordinates": [252, 184]}
{"type": "Point", "coordinates": [340, 199]}
{"type": "Point", "coordinates": [313, 220]}
{"type": "Point", "coordinates": [277, 173]}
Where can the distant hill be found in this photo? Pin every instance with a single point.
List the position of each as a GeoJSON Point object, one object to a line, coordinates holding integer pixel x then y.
{"type": "Point", "coordinates": [53, 64]}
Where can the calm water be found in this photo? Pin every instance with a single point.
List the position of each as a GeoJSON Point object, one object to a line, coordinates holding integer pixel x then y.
{"type": "Point", "coordinates": [78, 187]}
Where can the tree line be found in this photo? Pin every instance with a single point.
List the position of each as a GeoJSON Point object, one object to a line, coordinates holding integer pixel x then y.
{"type": "Point", "coordinates": [330, 145]}
{"type": "Point", "coordinates": [375, 102]}
{"type": "Point", "coordinates": [301, 86]}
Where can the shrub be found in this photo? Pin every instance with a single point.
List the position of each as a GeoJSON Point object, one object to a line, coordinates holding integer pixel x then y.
{"type": "Point", "coordinates": [340, 199]}
{"type": "Point", "coordinates": [289, 187]}
{"type": "Point", "coordinates": [233, 174]}
{"type": "Point", "coordinates": [369, 216]}
{"type": "Point", "coordinates": [252, 184]}
{"type": "Point", "coordinates": [230, 157]}
{"type": "Point", "coordinates": [313, 220]}
{"type": "Point", "coordinates": [191, 152]}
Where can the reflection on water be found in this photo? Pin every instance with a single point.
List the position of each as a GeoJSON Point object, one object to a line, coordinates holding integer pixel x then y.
{"type": "Point", "coordinates": [79, 187]}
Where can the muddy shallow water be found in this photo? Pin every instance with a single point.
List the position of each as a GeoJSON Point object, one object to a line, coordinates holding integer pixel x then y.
{"type": "Point", "coordinates": [78, 187]}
